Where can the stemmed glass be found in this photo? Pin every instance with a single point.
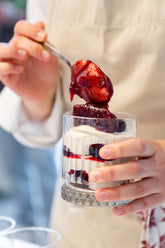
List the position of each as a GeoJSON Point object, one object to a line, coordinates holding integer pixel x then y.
{"type": "Point", "coordinates": [6, 224]}
{"type": "Point", "coordinates": [31, 237]}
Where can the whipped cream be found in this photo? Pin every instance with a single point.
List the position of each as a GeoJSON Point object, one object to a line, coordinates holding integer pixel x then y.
{"type": "Point", "coordinates": [78, 140]}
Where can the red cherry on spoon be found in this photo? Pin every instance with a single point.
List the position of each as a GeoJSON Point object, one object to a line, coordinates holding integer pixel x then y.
{"type": "Point", "coordinates": [90, 83]}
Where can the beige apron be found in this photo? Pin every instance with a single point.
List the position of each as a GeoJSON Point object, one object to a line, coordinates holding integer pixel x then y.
{"type": "Point", "coordinates": [126, 38]}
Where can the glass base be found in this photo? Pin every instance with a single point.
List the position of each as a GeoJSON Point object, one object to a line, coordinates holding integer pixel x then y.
{"type": "Point", "coordinates": [82, 197]}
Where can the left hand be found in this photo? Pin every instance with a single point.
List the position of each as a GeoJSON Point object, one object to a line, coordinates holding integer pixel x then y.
{"type": "Point", "coordinates": [149, 167]}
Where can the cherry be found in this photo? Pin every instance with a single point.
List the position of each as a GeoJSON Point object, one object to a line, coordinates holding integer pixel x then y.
{"type": "Point", "coordinates": [94, 151]}
{"type": "Point", "coordinates": [109, 125]}
{"type": "Point", "coordinates": [90, 83]}
{"type": "Point", "coordinates": [121, 126]}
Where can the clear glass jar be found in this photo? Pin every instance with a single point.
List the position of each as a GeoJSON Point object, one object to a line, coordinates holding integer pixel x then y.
{"type": "Point", "coordinates": [82, 139]}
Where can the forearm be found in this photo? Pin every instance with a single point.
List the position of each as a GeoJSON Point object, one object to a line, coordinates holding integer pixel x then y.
{"type": "Point", "coordinates": [14, 119]}
{"type": "Point", "coordinates": [39, 110]}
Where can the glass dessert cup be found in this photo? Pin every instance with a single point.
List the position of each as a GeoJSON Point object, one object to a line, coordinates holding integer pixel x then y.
{"type": "Point", "coordinates": [82, 139]}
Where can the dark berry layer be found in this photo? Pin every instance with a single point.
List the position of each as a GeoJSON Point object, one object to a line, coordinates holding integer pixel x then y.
{"type": "Point", "coordinates": [92, 111]}
{"type": "Point", "coordinates": [106, 121]}
{"type": "Point", "coordinates": [93, 153]}
{"type": "Point", "coordinates": [67, 153]}
{"type": "Point", "coordinates": [79, 174]}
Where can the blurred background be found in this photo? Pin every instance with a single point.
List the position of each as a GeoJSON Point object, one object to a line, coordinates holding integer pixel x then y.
{"type": "Point", "coordinates": [27, 175]}
{"type": "Point", "coordinates": [10, 12]}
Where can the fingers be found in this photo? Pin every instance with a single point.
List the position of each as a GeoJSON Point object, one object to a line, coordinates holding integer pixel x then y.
{"type": "Point", "coordinates": [24, 43]}
{"type": "Point", "coordinates": [149, 167]}
{"type": "Point", "coordinates": [139, 205]}
{"type": "Point", "coordinates": [40, 24]}
{"type": "Point", "coordinates": [7, 68]}
{"type": "Point", "coordinates": [34, 49]}
{"type": "Point", "coordinates": [11, 59]}
{"type": "Point", "coordinates": [128, 148]}
{"type": "Point", "coordinates": [130, 191]}
{"type": "Point", "coordinates": [35, 32]}
{"type": "Point", "coordinates": [11, 52]}
{"type": "Point", "coordinates": [129, 170]}
{"type": "Point", "coordinates": [30, 37]}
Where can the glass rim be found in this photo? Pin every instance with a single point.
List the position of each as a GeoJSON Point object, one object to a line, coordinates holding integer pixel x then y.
{"type": "Point", "coordinates": [11, 221]}
{"type": "Point", "coordinates": [37, 229]}
{"type": "Point", "coordinates": [126, 116]}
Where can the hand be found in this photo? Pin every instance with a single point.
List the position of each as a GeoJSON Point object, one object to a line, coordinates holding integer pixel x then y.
{"type": "Point", "coordinates": [29, 70]}
{"type": "Point", "coordinates": [150, 167]}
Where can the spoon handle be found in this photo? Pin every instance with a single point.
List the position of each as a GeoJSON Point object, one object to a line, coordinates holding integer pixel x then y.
{"type": "Point", "coordinates": [48, 46]}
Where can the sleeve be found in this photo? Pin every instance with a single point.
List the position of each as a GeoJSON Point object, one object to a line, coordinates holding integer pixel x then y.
{"type": "Point", "coordinates": [14, 119]}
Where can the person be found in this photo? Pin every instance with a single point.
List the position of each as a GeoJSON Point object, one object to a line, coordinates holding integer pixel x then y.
{"type": "Point", "coordinates": [125, 39]}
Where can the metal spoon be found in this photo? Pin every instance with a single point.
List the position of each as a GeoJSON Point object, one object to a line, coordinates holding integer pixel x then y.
{"type": "Point", "coordinates": [48, 46]}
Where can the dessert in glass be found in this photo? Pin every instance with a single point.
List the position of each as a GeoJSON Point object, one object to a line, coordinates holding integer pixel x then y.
{"type": "Point", "coordinates": [85, 130]}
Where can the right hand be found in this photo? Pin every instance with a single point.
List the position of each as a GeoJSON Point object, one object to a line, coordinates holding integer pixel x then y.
{"type": "Point", "coordinates": [29, 70]}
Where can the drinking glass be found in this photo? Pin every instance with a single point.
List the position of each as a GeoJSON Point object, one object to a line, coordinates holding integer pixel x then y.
{"type": "Point", "coordinates": [6, 224]}
{"type": "Point", "coordinates": [31, 237]}
{"type": "Point", "coordinates": [82, 139]}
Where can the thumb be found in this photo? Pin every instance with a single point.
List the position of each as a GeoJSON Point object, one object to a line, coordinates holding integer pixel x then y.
{"type": "Point", "coordinates": [40, 24]}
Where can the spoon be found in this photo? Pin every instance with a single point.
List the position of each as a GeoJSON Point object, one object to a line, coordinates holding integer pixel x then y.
{"type": "Point", "coordinates": [48, 46]}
